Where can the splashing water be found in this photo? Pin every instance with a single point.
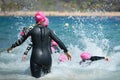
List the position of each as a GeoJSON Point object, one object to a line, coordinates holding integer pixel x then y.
{"type": "Point", "coordinates": [88, 34]}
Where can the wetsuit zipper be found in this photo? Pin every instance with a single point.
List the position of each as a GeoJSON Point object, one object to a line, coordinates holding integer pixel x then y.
{"type": "Point", "coordinates": [41, 39]}
{"type": "Point", "coordinates": [41, 33]}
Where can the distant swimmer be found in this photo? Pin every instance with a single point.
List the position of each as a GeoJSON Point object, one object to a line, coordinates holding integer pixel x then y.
{"type": "Point", "coordinates": [41, 59]}
{"type": "Point", "coordinates": [62, 58]}
{"type": "Point", "coordinates": [87, 57]}
{"type": "Point", "coordinates": [54, 47]}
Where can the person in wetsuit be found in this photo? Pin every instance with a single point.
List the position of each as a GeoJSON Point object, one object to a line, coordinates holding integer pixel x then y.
{"type": "Point", "coordinates": [41, 59]}
{"type": "Point", "coordinates": [87, 57]}
{"type": "Point", "coordinates": [54, 45]}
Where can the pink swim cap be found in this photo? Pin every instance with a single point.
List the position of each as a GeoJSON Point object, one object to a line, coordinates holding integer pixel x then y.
{"type": "Point", "coordinates": [46, 23]}
{"type": "Point", "coordinates": [62, 57]}
{"type": "Point", "coordinates": [39, 17]}
{"type": "Point", "coordinates": [54, 43]}
{"type": "Point", "coordinates": [85, 56]}
{"type": "Point", "coordinates": [53, 49]}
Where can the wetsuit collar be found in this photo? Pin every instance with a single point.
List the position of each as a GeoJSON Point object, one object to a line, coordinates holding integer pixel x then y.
{"type": "Point", "coordinates": [40, 26]}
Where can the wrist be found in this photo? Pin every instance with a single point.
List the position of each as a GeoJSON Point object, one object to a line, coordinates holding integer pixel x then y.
{"type": "Point", "coordinates": [66, 51]}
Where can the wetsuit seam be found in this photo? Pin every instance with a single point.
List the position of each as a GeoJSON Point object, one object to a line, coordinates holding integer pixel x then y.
{"type": "Point", "coordinates": [41, 39]}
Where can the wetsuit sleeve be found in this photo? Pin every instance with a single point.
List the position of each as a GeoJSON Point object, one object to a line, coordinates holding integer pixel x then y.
{"type": "Point", "coordinates": [20, 41]}
{"type": "Point", "coordinates": [56, 39]}
{"type": "Point", "coordinates": [95, 58]}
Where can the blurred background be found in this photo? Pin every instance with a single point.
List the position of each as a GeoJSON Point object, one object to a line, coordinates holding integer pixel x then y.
{"type": "Point", "coordinates": [60, 5]}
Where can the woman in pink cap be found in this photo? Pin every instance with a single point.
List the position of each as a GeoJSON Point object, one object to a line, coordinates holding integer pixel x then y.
{"type": "Point", "coordinates": [87, 57]}
{"type": "Point", "coordinates": [54, 45]}
{"type": "Point", "coordinates": [41, 60]}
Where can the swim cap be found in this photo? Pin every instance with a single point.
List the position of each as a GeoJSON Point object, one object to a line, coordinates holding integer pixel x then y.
{"type": "Point", "coordinates": [62, 57]}
{"type": "Point", "coordinates": [54, 43]}
{"type": "Point", "coordinates": [46, 23]}
{"type": "Point", "coordinates": [39, 17]}
{"type": "Point", "coordinates": [85, 56]}
{"type": "Point", "coordinates": [53, 49]}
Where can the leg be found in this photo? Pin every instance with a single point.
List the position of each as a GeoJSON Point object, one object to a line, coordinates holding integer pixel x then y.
{"type": "Point", "coordinates": [35, 70]}
{"type": "Point", "coordinates": [46, 69]}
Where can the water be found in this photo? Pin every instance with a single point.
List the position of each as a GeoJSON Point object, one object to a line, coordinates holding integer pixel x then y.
{"type": "Point", "coordinates": [96, 35]}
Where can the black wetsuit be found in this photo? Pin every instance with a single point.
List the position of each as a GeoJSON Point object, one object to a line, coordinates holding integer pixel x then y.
{"type": "Point", "coordinates": [41, 52]}
{"type": "Point", "coordinates": [93, 58]}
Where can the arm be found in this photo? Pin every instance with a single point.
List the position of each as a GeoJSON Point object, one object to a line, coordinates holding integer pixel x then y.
{"type": "Point", "coordinates": [95, 58]}
{"type": "Point", "coordinates": [19, 41]}
{"type": "Point", "coordinates": [60, 43]}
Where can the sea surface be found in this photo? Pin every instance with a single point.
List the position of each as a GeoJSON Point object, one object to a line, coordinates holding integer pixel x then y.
{"type": "Point", "coordinates": [99, 36]}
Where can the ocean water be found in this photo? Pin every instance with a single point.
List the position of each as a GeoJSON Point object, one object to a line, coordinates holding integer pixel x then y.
{"type": "Point", "coordinates": [99, 36]}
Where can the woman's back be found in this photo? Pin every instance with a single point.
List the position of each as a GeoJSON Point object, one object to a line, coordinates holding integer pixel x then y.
{"type": "Point", "coordinates": [41, 44]}
{"type": "Point", "coordinates": [40, 37]}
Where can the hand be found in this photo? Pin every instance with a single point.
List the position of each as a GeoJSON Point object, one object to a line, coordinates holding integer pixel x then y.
{"type": "Point", "coordinates": [9, 49]}
{"type": "Point", "coordinates": [24, 57]}
{"type": "Point", "coordinates": [68, 56]}
{"type": "Point", "coordinates": [107, 59]}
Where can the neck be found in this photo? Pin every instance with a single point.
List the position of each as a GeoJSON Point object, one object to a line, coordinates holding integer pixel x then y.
{"type": "Point", "coordinates": [40, 23]}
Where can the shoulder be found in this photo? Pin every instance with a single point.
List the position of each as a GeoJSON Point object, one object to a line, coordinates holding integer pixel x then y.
{"type": "Point", "coordinates": [31, 27]}
{"type": "Point", "coordinates": [48, 29]}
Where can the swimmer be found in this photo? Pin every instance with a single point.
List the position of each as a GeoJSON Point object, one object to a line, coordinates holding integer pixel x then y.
{"type": "Point", "coordinates": [87, 57]}
{"type": "Point", "coordinates": [54, 47]}
{"type": "Point", "coordinates": [62, 58]}
{"type": "Point", "coordinates": [41, 59]}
